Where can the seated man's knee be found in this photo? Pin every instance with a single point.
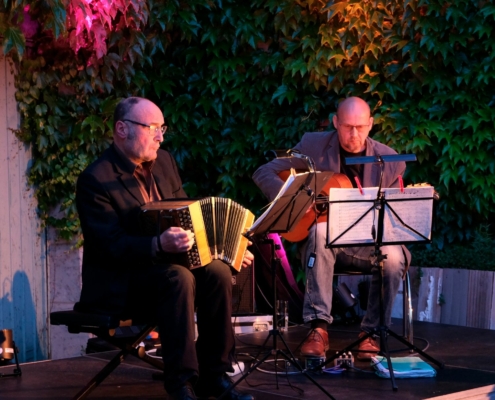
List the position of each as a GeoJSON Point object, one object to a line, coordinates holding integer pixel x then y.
{"type": "Point", "coordinates": [163, 283]}
{"type": "Point", "coordinates": [219, 272]}
{"type": "Point", "coordinates": [178, 278]}
{"type": "Point", "coordinates": [395, 261]}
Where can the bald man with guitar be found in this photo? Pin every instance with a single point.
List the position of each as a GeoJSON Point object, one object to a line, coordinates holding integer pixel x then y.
{"type": "Point", "coordinates": [353, 122]}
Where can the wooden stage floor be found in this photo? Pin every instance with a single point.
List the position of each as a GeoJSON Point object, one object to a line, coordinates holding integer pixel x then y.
{"type": "Point", "coordinates": [468, 355]}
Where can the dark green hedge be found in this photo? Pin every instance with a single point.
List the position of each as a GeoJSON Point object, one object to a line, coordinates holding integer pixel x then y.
{"type": "Point", "coordinates": [236, 79]}
{"type": "Point", "coordinates": [477, 254]}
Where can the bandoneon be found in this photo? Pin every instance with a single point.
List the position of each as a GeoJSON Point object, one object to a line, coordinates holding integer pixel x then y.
{"type": "Point", "coordinates": [217, 224]}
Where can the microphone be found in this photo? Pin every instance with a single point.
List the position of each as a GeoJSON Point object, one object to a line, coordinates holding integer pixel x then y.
{"type": "Point", "coordinates": [288, 153]}
{"type": "Point", "coordinates": [296, 154]}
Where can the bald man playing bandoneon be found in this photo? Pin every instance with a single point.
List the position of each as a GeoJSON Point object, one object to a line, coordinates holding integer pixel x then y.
{"type": "Point", "coordinates": [134, 275]}
{"type": "Point", "coordinates": [353, 122]}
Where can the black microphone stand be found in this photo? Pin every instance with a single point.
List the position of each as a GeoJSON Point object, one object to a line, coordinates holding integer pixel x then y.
{"type": "Point", "coordinates": [284, 218]}
{"type": "Point", "coordinates": [275, 334]}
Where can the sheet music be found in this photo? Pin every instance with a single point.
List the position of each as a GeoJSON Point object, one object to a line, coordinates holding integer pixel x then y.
{"type": "Point", "coordinates": [417, 214]}
{"type": "Point", "coordinates": [344, 215]}
{"type": "Point", "coordinates": [270, 207]}
{"type": "Point", "coordinates": [291, 203]}
{"type": "Point", "coordinates": [348, 205]}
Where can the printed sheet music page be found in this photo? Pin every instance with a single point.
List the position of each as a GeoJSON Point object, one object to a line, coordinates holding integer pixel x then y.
{"type": "Point", "coordinates": [414, 207]}
{"type": "Point", "coordinates": [349, 207]}
{"type": "Point", "coordinates": [353, 212]}
{"type": "Point", "coordinates": [273, 204]}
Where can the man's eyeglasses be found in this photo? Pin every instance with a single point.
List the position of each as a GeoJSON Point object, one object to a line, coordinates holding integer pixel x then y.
{"type": "Point", "coordinates": [154, 129]}
{"type": "Point", "coordinates": [359, 128]}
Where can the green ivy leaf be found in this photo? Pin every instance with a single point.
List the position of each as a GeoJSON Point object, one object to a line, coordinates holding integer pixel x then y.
{"type": "Point", "coordinates": [41, 109]}
{"type": "Point", "coordinates": [95, 122]}
{"type": "Point", "coordinates": [14, 39]}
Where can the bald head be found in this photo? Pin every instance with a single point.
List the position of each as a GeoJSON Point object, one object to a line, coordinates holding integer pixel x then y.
{"type": "Point", "coordinates": [125, 107]}
{"type": "Point", "coordinates": [354, 106]}
{"type": "Point", "coordinates": [138, 129]}
{"type": "Point", "coordinates": [353, 122]}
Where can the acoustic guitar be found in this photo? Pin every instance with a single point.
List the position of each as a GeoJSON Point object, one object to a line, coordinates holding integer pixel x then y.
{"type": "Point", "coordinates": [317, 213]}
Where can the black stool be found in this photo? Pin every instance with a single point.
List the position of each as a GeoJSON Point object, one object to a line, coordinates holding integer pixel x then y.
{"type": "Point", "coordinates": [407, 310]}
{"type": "Point", "coordinates": [121, 334]}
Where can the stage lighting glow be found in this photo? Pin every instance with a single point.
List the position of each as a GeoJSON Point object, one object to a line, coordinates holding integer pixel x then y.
{"type": "Point", "coordinates": [8, 352]}
{"type": "Point", "coordinates": [6, 345]}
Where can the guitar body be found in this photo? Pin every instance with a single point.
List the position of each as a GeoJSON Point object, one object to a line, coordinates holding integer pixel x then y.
{"type": "Point", "coordinates": [301, 230]}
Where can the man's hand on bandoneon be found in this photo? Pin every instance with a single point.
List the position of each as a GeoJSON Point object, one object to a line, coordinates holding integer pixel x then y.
{"type": "Point", "coordinates": [177, 240]}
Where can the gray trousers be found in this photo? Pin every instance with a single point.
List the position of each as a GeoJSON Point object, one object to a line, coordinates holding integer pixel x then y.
{"type": "Point", "coordinates": [319, 277]}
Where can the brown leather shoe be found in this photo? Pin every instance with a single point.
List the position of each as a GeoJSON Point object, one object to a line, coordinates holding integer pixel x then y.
{"type": "Point", "coordinates": [367, 348]}
{"type": "Point", "coordinates": [316, 344]}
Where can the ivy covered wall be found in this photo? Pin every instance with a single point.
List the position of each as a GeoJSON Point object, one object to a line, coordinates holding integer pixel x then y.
{"type": "Point", "coordinates": [236, 79]}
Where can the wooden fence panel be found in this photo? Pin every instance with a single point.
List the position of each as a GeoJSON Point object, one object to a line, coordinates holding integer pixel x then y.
{"type": "Point", "coordinates": [449, 296]}
{"type": "Point", "coordinates": [455, 293]}
{"type": "Point", "coordinates": [430, 288]}
{"type": "Point", "coordinates": [479, 299]}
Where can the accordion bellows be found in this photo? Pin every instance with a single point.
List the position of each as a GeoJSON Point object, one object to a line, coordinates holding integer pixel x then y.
{"type": "Point", "coordinates": [217, 224]}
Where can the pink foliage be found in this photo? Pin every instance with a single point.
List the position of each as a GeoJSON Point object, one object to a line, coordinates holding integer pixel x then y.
{"type": "Point", "coordinates": [91, 21]}
{"type": "Point", "coordinates": [29, 26]}
{"type": "Point", "coordinates": [100, 35]}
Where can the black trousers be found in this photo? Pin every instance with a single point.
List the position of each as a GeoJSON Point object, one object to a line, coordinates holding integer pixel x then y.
{"type": "Point", "coordinates": [169, 295]}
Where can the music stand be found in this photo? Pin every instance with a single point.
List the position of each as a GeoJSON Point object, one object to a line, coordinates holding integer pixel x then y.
{"type": "Point", "coordinates": [381, 205]}
{"type": "Point", "coordinates": [295, 197]}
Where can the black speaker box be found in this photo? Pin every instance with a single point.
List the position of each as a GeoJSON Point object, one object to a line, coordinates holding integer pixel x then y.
{"type": "Point", "coordinates": [243, 291]}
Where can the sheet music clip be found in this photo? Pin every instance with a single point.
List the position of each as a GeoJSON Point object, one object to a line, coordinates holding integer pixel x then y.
{"type": "Point", "coordinates": [401, 183]}
{"type": "Point", "coordinates": [358, 183]}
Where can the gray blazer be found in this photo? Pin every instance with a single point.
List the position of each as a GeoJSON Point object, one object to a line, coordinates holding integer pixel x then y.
{"type": "Point", "coordinates": [323, 148]}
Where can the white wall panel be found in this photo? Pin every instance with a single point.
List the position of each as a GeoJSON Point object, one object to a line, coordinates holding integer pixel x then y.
{"type": "Point", "coordinates": [23, 276]}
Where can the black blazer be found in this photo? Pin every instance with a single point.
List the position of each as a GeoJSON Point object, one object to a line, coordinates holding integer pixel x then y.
{"type": "Point", "coordinates": [108, 200]}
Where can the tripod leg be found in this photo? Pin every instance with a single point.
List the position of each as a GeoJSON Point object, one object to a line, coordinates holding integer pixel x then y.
{"type": "Point", "coordinates": [274, 333]}
{"type": "Point", "coordinates": [17, 371]}
{"type": "Point", "coordinates": [246, 374]}
{"type": "Point", "coordinates": [416, 349]}
{"type": "Point", "coordinates": [346, 350]}
{"type": "Point", "coordinates": [304, 372]}
{"type": "Point", "coordinates": [385, 352]}
{"type": "Point", "coordinates": [275, 352]}
{"type": "Point", "coordinates": [275, 361]}
{"type": "Point", "coordinates": [287, 348]}
{"type": "Point", "coordinates": [291, 359]}
{"type": "Point", "coordinates": [287, 358]}
{"type": "Point", "coordinates": [270, 333]}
